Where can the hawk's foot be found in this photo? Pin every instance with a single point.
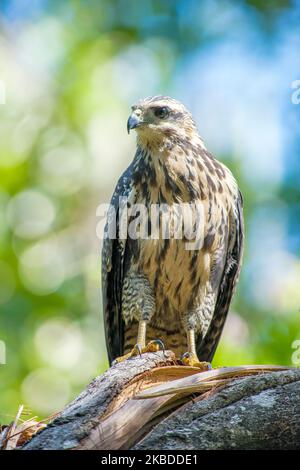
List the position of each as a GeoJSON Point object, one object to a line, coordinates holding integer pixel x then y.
{"type": "Point", "coordinates": [154, 346]}
{"type": "Point", "coordinates": [190, 359]}
{"type": "Point", "coordinates": [138, 350]}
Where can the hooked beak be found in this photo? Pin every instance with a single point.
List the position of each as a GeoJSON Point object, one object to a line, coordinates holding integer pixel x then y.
{"type": "Point", "coordinates": [133, 122]}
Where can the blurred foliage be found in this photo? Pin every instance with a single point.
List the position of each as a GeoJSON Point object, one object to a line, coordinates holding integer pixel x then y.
{"type": "Point", "coordinates": [70, 70]}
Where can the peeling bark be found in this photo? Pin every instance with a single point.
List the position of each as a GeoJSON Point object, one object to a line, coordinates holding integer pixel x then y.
{"type": "Point", "coordinates": [210, 410]}
{"type": "Point", "coordinates": [261, 412]}
{"type": "Point", "coordinates": [76, 421]}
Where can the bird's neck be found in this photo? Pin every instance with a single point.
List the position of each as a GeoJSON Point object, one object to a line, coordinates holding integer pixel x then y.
{"type": "Point", "coordinates": [167, 173]}
{"type": "Point", "coordinates": [166, 141]}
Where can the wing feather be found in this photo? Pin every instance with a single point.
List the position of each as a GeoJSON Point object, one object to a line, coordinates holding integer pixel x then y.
{"type": "Point", "coordinates": [113, 253]}
{"type": "Point", "coordinates": [206, 346]}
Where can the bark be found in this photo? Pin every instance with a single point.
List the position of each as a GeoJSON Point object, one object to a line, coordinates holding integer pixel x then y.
{"type": "Point", "coordinates": [261, 412]}
{"type": "Point", "coordinates": [150, 402]}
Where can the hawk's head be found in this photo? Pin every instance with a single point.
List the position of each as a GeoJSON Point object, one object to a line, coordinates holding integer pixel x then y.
{"type": "Point", "coordinates": [157, 117]}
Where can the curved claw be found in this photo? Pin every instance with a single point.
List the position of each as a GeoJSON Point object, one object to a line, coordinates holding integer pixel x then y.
{"type": "Point", "coordinates": [184, 357]}
{"type": "Point", "coordinates": [155, 345]}
{"type": "Point", "coordinates": [137, 348]}
{"type": "Point", "coordinates": [190, 359]}
{"type": "Point", "coordinates": [136, 351]}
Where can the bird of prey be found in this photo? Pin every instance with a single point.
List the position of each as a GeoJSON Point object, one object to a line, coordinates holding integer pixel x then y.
{"type": "Point", "coordinates": [154, 288]}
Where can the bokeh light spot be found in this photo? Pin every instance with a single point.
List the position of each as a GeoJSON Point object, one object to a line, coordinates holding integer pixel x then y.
{"type": "Point", "coordinates": [45, 390]}
{"type": "Point", "coordinates": [30, 214]}
{"type": "Point", "coordinates": [7, 282]}
{"type": "Point", "coordinates": [59, 342]}
{"type": "Point", "coordinates": [42, 268]}
{"type": "Point", "coordinates": [62, 169]}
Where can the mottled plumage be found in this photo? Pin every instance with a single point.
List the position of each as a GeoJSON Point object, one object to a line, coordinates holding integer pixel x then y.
{"type": "Point", "coordinates": [179, 294]}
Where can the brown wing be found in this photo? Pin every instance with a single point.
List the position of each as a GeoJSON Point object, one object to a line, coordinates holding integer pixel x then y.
{"type": "Point", "coordinates": [113, 253]}
{"type": "Point", "coordinates": [206, 346]}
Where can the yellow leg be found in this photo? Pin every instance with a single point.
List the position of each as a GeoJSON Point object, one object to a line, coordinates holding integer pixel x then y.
{"type": "Point", "coordinates": [141, 338]}
{"type": "Point", "coordinates": [190, 358]}
{"type": "Point", "coordinates": [191, 342]}
{"type": "Point", "coordinates": [140, 347]}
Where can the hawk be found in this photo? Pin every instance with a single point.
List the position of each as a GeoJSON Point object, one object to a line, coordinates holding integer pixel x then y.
{"type": "Point", "coordinates": [154, 288]}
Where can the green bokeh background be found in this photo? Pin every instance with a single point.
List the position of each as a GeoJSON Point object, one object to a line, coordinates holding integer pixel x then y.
{"type": "Point", "coordinates": [69, 71]}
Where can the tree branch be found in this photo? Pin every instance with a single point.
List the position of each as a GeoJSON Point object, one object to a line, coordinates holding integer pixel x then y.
{"type": "Point", "coordinates": [151, 402]}
{"type": "Point", "coordinates": [261, 412]}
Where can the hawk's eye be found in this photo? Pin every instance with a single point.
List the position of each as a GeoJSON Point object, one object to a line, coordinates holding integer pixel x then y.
{"type": "Point", "coordinates": [161, 112]}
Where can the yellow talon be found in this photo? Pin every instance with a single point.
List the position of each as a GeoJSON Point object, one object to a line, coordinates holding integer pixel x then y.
{"type": "Point", "coordinates": [190, 359]}
{"type": "Point", "coordinates": [136, 351]}
{"type": "Point", "coordinates": [152, 346]}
